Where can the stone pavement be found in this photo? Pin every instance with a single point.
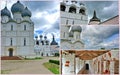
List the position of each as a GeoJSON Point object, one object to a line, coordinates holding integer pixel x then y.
{"type": "Point", "coordinates": [26, 66]}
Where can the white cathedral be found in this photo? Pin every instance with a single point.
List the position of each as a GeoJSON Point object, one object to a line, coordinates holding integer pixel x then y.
{"type": "Point", "coordinates": [17, 33]}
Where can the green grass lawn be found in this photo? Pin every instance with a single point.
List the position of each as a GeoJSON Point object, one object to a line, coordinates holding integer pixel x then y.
{"type": "Point", "coordinates": [54, 68]}
{"type": "Point", "coordinates": [5, 71]}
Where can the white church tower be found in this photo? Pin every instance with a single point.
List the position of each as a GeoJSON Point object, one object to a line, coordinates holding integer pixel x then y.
{"type": "Point", "coordinates": [17, 32]}
{"type": "Point", "coordinates": [73, 13]}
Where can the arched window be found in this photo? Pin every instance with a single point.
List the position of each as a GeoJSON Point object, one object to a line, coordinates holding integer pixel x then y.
{"type": "Point", "coordinates": [24, 27]}
{"type": "Point", "coordinates": [24, 41]}
{"type": "Point", "coordinates": [82, 11]}
{"type": "Point", "coordinates": [62, 7]}
{"type": "Point", "coordinates": [11, 27]}
{"type": "Point", "coordinates": [72, 9]}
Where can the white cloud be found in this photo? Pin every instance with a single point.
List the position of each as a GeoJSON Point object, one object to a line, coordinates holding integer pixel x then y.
{"type": "Point", "coordinates": [52, 18]}
{"type": "Point", "coordinates": [96, 36]}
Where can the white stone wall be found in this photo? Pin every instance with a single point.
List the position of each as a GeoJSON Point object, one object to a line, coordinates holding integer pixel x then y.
{"type": "Point", "coordinates": [108, 62]}
{"type": "Point", "coordinates": [68, 18]}
{"type": "Point", "coordinates": [71, 68]}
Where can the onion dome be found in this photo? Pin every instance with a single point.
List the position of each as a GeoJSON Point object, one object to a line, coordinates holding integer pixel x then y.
{"type": "Point", "coordinates": [26, 12]}
{"type": "Point", "coordinates": [94, 18]}
{"type": "Point", "coordinates": [5, 12]}
{"type": "Point", "coordinates": [53, 41]}
{"type": "Point", "coordinates": [41, 36]}
{"type": "Point", "coordinates": [45, 37]}
{"type": "Point", "coordinates": [17, 7]}
{"type": "Point", "coordinates": [47, 42]}
{"type": "Point", "coordinates": [36, 37]}
{"type": "Point", "coordinates": [76, 28]}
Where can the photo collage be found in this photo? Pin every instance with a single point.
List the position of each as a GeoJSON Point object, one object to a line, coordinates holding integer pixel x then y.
{"type": "Point", "coordinates": [59, 37]}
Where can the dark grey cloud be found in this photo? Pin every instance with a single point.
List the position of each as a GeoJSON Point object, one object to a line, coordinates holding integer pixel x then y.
{"type": "Point", "coordinates": [104, 9]}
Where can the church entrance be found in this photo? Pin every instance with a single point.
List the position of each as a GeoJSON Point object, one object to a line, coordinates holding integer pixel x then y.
{"type": "Point", "coordinates": [10, 52]}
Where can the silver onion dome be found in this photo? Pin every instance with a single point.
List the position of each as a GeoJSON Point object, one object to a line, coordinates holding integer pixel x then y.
{"type": "Point", "coordinates": [17, 7]}
{"type": "Point", "coordinates": [5, 12]}
{"type": "Point", "coordinates": [26, 12]}
{"type": "Point", "coordinates": [76, 28]}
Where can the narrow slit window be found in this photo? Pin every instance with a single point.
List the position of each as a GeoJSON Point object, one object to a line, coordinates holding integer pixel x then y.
{"type": "Point", "coordinates": [11, 42]}
{"type": "Point", "coordinates": [24, 27]}
{"type": "Point", "coordinates": [24, 41]}
{"type": "Point", "coordinates": [11, 27]}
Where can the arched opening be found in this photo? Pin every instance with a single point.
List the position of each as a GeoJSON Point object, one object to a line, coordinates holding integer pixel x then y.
{"type": "Point", "coordinates": [37, 42]}
{"type": "Point", "coordinates": [62, 7]}
{"type": "Point", "coordinates": [82, 11]}
{"type": "Point", "coordinates": [87, 66]}
{"type": "Point", "coordinates": [72, 9]}
{"type": "Point", "coordinates": [10, 52]}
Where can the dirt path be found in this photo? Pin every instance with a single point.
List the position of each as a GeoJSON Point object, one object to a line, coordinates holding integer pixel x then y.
{"type": "Point", "coordinates": [26, 66]}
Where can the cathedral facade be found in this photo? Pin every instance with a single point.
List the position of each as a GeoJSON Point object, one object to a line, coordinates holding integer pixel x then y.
{"type": "Point", "coordinates": [17, 32]}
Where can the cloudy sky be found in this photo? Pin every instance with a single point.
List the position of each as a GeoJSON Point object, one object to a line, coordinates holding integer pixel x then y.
{"type": "Point", "coordinates": [45, 15]}
{"type": "Point", "coordinates": [96, 37]}
{"type": "Point", "coordinates": [104, 9]}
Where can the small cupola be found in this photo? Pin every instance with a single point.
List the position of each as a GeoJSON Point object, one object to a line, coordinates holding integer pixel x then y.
{"type": "Point", "coordinates": [94, 18]}
{"type": "Point", "coordinates": [5, 12]}
{"type": "Point", "coordinates": [26, 12]}
{"type": "Point", "coordinates": [53, 41]}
